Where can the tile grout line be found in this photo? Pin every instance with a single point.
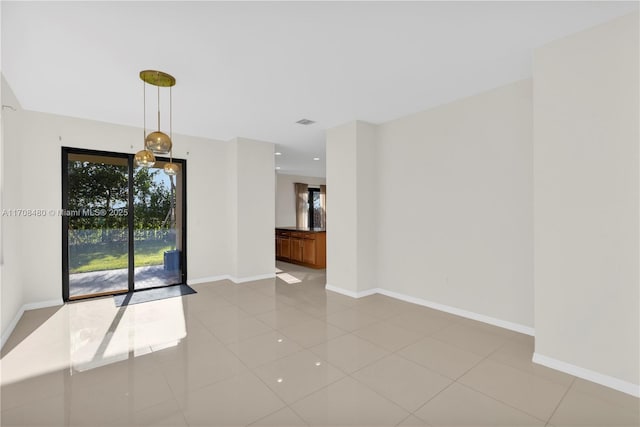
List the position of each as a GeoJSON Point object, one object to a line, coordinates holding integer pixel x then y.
{"type": "Point", "coordinates": [498, 400]}
{"type": "Point", "coordinates": [290, 406]}
{"type": "Point", "coordinates": [287, 405]}
{"type": "Point", "coordinates": [251, 371]}
{"type": "Point", "coordinates": [225, 346]}
{"type": "Point", "coordinates": [433, 397]}
{"type": "Point", "coordinates": [456, 381]}
{"type": "Point", "coordinates": [561, 399]}
{"type": "Point", "coordinates": [379, 395]}
{"type": "Point", "coordinates": [485, 394]}
{"type": "Point", "coordinates": [346, 374]}
{"type": "Point", "coordinates": [397, 351]}
{"type": "Point", "coordinates": [394, 352]}
{"type": "Point", "coordinates": [166, 380]}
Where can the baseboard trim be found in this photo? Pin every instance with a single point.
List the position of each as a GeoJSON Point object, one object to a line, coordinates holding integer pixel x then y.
{"type": "Point", "coordinates": [26, 307]}
{"type": "Point", "coordinates": [587, 374]}
{"type": "Point", "coordinates": [349, 293]}
{"type": "Point", "coordinates": [208, 279]}
{"type": "Point", "coordinates": [12, 325]}
{"type": "Point", "coordinates": [252, 278]}
{"type": "Point", "coordinates": [43, 304]}
{"type": "Point", "coordinates": [516, 327]}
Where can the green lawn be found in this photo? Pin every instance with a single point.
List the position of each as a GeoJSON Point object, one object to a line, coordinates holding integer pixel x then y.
{"type": "Point", "coordinates": [111, 256]}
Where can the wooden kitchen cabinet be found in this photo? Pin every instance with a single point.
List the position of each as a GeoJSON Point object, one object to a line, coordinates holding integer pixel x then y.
{"type": "Point", "coordinates": [309, 251]}
{"type": "Point", "coordinates": [283, 246]}
{"type": "Point", "coordinates": [296, 249]}
{"type": "Point", "coordinates": [304, 247]}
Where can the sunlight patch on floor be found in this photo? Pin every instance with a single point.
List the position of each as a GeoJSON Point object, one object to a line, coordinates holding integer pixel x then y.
{"type": "Point", "coordinates": [288, 278]}
{"type": "Point", "coordinates": [85, 335]}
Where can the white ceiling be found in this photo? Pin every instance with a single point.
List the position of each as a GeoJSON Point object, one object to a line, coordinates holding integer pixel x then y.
{"type": "Point", "coordinates": [254, 69]}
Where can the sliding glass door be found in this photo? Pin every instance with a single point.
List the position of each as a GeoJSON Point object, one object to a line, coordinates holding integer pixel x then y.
{"type": "Point", "coordinates": [123, 227]}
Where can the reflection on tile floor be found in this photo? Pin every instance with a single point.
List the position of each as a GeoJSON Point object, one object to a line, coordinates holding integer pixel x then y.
{"type": "Point", "coordinates": [276, 353]}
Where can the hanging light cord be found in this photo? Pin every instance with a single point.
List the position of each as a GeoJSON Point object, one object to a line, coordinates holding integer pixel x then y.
{"type": "Point", "coordinates": [158, 108]}
{"type": "Point", "coordinates": [144, 114]}
{"type": "Point", "coordinates": [171, 124]}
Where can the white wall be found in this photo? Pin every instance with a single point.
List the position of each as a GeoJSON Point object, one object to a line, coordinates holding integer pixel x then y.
{"type": "Point", "coordinates": [351, 201]}
{"type": "Point", "coordinates": [586, 201]}
{"type": "Point", "coordinates": [33, 144]}
{"type": "Point", "coordinates": [342, 219]}
{"type": "Point", "coordinates": [367, 204]}
{"type": "Point", "coordinates": [11, 295]}
{"type": "Point", "coordinates": [255, 209]}
{"type": "Point", "coordinates": [455, 205]}
{"type": "Point", "coordinates": [286, 199]}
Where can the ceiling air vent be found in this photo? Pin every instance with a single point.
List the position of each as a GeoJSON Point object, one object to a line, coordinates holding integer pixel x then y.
{"type": "Point", "coordinates": [305, 122]}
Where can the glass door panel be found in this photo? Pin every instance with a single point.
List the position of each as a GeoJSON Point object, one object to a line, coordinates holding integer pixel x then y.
{"type": "Point", "coordinates": [157, 227]}
{"type": "Point", "coordinates": [96, 211]}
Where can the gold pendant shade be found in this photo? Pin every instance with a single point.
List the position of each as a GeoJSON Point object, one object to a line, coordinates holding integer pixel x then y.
{"type": "Point", "coordinates": [145, 158]}
{"type": "Point", "coordinates": [171, 169]}
{"type": "Point", "coordinates": [157, 142]}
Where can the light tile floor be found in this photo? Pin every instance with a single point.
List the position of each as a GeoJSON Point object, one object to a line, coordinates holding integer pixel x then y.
{"type": "Point", "coordinates": [271, 353]}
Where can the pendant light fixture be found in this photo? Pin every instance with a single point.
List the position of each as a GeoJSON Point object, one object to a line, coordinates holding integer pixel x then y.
{"type": "Point", "coordinates": [157, 142]}
{"type": "Point", "coordinates": [171, 168]}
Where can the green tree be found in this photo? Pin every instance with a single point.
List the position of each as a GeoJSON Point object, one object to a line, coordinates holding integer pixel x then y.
{"type": "Point", "coordinates": [97, 186]}
{"type": "Point", "coordinates": [152, 200]}
{"type": "Point", "coordinates": [105, 186]}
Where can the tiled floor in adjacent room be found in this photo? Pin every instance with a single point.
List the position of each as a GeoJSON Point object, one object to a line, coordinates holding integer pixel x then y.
{"type": "Point", "coordinates": [279, 354]}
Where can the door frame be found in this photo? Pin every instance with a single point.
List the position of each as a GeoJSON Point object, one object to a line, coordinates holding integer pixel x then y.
{"type": "Point", "coordinates": [64, 156]}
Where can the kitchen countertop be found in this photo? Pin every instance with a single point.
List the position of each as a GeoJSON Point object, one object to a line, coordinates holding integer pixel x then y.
{"type": "Point", "coordinates": [309, 230]}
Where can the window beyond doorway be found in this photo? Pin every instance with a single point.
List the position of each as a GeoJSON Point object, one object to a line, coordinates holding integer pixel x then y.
{"type": "Point", "coordinates": [315, 213]}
